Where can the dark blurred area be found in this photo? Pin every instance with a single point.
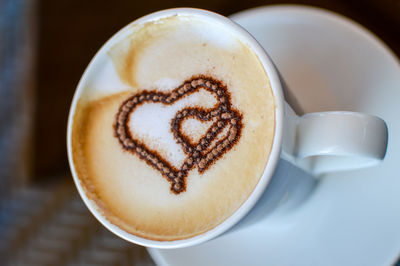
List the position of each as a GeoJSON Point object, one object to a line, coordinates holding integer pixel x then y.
{"type": "Point", "coordinates": [44, 48]}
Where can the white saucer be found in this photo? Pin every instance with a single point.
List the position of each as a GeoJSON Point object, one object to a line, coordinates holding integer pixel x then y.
{"type": "Point", "coordinates": [353, 218]}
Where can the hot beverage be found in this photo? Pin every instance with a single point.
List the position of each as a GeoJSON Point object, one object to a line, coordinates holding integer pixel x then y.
{"type": "Point", "coordinates": [173, 128]}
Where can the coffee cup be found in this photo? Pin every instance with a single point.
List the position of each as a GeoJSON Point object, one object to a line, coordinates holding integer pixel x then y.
{"type": "Point", "coordinates": [178, 124]}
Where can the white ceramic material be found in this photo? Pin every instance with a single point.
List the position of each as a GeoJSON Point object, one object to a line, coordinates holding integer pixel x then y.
{"type": "Point", "coordinates": [352, 217]}
{"type": "Point", "coordinates": [361, 139]}
{"type": "Point", "coordinates": [323, 142]}
{"type": "Point", "coordinates": [273, 159]}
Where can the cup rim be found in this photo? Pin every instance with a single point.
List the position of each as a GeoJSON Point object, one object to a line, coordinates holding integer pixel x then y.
{"type": "Point", "coordinates": [271, 163]}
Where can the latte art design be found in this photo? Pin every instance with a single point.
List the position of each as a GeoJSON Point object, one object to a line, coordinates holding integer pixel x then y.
{"type": "Point", "coordinates": [222, 135]}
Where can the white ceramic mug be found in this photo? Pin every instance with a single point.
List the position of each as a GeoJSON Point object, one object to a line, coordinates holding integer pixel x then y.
{"type": "Point", "coordinates": [316, 142]}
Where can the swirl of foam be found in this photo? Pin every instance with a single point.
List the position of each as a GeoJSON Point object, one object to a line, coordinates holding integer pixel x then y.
{"type": "Point", "coordinates": [201, 154]}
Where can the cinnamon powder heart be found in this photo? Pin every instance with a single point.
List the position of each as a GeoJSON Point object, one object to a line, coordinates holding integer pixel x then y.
{"type": "Point", "coordinates": [200, 154]}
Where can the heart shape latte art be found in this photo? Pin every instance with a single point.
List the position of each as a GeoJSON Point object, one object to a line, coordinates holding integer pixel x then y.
{"type": "Point", "coordinates": [201, 154]}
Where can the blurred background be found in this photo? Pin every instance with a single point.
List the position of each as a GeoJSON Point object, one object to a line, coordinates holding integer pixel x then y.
{"type": "Point", "coordinates": [44, 48]}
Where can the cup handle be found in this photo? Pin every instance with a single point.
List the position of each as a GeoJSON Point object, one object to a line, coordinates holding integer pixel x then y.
{"type": "Point", "coordinates": [332, 141]}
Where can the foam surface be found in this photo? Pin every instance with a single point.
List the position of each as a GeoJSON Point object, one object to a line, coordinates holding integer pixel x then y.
{"type": "Point", "coordinates": [161, 56]}
{"type": "Point", "coordinates": [151, 123]}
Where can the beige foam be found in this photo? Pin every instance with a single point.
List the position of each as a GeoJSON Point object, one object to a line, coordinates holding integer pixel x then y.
{"type": "Point", "coordinates": [133, 195]}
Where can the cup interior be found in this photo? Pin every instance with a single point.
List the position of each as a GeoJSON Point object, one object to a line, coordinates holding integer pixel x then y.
{"type": "Point", "coordinates": [275, 83]}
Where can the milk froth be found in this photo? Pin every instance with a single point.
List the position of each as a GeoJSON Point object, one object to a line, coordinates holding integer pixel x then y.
{"type": "Point", "coordinates": [160, 56]}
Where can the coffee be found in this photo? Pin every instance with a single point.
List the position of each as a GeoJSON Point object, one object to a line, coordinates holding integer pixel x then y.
{"type": "Point", "coordinates": [173, 128]}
